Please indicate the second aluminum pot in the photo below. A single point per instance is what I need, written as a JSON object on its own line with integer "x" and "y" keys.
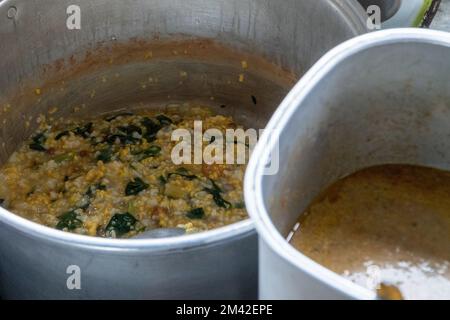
{"x": 379, "y": 98}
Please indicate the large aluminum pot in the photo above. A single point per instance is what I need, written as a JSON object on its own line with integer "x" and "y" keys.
{"x": 133, "y": 52}
{"x": 379, "y": 98}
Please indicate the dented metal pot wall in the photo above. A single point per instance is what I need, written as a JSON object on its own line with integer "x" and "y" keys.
{"x": 144, "y": 53}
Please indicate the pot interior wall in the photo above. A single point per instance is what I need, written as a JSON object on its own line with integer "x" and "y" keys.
{"x": 156, "y": 75}
{"x": 386, "y": 104}
{"x": 132, "y": 53}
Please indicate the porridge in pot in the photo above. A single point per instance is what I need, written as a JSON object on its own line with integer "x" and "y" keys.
{"x": 114, "y": 176}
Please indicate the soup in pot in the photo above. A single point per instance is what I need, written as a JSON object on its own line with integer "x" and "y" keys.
{"x": 387, "y": 225}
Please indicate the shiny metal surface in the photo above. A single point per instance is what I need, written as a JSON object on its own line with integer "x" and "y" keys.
{"x": 376, "y": 99}
{"x": 161, "y": 233}
{"x": 106, "y": 66}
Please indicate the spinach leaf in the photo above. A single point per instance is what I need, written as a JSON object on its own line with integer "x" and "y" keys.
{"x": 197, "y": 213}
{"x": 124, "y": 139}
{"x": 215, "y": 191}
{"x": 163, "y": 120}
{"x": 115, "y": 116}
{"x": 182, "y": 172}
{"x": 62, "y": 134}
{"x": 151, "y": 129}
{"x": 69, "y": 221}
{"x": 150, "y": 125}
{"x": 162, "y": 179}
{"x": 149, "y": 137}
{"x": 135, "y": 186}
{"x": 215, "y": 186}
{"x": 105, "y": 154}
{"x": 84, "y": 131}
{"x": 130, "y": 129}
{"x": 121, "y": 223}
{"x": 221, "y": 202}
{"x": 38, "y": 142}
{"x": 152, "y": 151}
{"x": 37, "y": 147}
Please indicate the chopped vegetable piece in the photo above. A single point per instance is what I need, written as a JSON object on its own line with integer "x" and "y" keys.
{"x": 69, "y": 221}
{"x": 37, "y": 147}
{"x": 64, "y": 157}
{"x": 121, "y": 223}
{"x": 150, "y": 125}
{"x": 38, "y": 142}
{"x": 151, "y": 129}
{"x": 62, "y": 134}
{"x": 162, "y": 179}
{"x": 163, "y": 120}
{"x": 130, "y": 129}
{"x": 84, "y": 131}
{"x": 135, "y": 186}
{"x": 105, "y": 155}
{"x": 197, "y": 213}
{"x": 123, "y": 139}
{"x": 182, "y": 172}
{"x": 215, "y": 191}
{"x": 152, "y": 151}
{"x": 131, "y": 207}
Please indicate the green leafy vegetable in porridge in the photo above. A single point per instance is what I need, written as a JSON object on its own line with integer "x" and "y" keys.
{"x": 37, "y": 142}
{"x": 196, "y": 213}
{"x": 215, "y": 191}
{"x": 114, "y": 176}
{"x": 121, "y": 223}
{"x": 69, "y": 221}
{"x": 134, "y": 187}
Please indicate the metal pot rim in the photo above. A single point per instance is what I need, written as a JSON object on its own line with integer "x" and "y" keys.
{"x": 355, "y": 14}
{"x": 254, "y": 174}
{"x": 35, "y": 230}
